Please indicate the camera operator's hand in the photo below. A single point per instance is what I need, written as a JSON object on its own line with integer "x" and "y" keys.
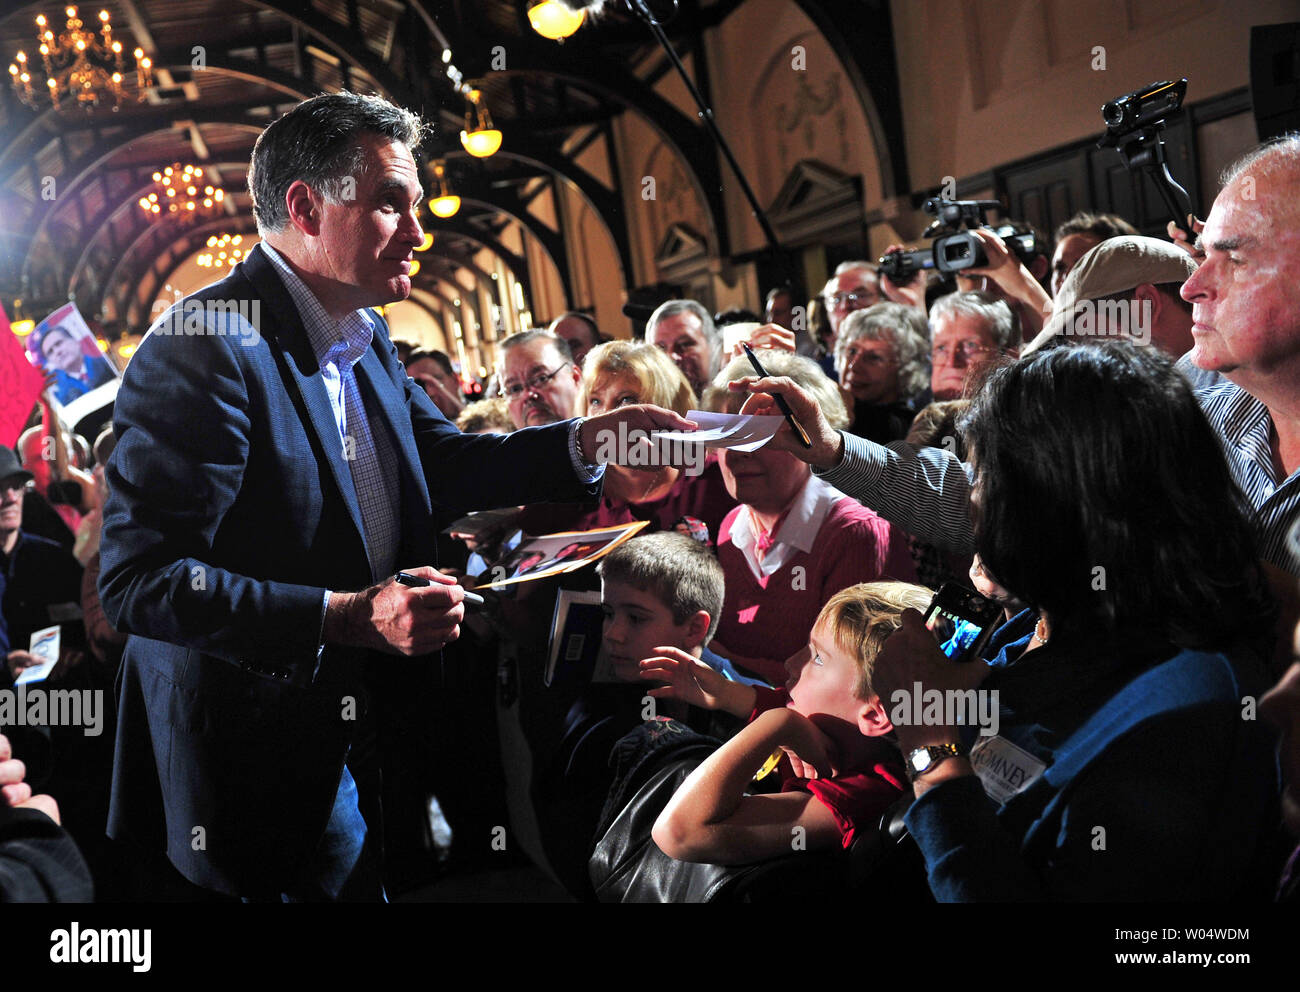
{"x": 1179, "y": 237}
{"x": 827, "y": 443}
{"x": 1014, "y": 280}
{"x": 911, "y": 294}
{"x": 398, "y": 619}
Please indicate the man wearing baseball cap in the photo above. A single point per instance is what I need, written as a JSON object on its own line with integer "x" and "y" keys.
{"x": 1124, "y": 287}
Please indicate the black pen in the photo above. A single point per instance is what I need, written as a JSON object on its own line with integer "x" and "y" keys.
{"x": 416, "y": 582}
{"x": 780, "y": 400}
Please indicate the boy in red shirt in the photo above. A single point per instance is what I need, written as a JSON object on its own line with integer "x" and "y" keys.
{"x": 828, "y": 721}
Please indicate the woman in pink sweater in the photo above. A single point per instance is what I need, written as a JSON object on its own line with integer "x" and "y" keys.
{"x": 794, "y": 541}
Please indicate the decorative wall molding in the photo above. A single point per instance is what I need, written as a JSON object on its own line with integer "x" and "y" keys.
{"x": 817, "y": 205}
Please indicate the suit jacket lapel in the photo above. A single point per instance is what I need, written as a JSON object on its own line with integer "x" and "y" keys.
{"x": 287, "y": 335}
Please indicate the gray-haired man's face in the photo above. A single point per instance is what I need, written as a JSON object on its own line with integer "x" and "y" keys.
{"x": 962, "y": 345}
{"x": 856, "y": 289}
{"x": 682, "y": 336}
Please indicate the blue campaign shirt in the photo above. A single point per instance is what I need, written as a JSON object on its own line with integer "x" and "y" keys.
{"x": 1149, "y": 782}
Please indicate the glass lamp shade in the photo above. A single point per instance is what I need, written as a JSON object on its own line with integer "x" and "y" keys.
{"x": 444, "y": 206}
{"x": 554, "y": 20}
{"x": 482, "y": 143}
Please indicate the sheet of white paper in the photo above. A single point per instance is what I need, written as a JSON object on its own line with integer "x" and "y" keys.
{"x": 744, "y": 432}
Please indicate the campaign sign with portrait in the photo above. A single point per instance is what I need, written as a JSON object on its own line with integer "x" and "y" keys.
{"x": 84, "y": 378}
{"x": 553, "y": 554}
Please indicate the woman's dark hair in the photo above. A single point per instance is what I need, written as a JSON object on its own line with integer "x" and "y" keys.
{"x": 1103, "y": 499}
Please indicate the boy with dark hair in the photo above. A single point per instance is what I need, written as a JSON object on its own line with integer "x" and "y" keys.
{"x": 660, "y": 592}
{"x": 660, "y": 589}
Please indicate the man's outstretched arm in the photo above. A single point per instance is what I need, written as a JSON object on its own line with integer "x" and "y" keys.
{"x": 926, "y": 491}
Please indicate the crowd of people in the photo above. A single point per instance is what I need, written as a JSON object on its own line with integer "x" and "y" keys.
{"x": 1101, "y": 436}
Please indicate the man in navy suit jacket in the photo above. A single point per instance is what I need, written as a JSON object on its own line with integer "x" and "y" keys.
{"x": 272, "y": 453}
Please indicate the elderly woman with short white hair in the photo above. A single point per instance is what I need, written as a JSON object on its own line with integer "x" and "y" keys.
{"x": 882, "y": 359}
{"x": 794, "y": 541}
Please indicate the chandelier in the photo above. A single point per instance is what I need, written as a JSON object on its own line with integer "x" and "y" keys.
{"x": 180, "y": 191}
{"x": 222, "y": 251}
{"x": 78, "y": 66}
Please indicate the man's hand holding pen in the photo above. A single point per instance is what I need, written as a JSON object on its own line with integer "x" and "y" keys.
{"x": 825, "y": 444}
{"x": 396, "y": 618}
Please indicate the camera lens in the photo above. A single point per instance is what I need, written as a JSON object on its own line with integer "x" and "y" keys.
{"x": 1113, "y": 113}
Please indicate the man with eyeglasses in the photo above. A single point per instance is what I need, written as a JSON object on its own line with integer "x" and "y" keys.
{"x": 970, "y": 331}
{"x": 854, "y": 286}
{"x": 539, "y": 378}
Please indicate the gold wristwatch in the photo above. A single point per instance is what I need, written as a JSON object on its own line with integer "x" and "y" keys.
{"x": 924, "y": 759}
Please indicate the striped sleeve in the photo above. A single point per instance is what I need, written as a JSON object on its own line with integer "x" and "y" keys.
{"x": 926, "y": 491}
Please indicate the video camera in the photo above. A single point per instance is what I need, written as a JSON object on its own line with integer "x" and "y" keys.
{"x": 1135, "y": 126}
{"x": 955, "y": 247}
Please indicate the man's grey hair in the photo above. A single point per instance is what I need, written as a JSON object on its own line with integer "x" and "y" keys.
{"x": 1279, "y": 153}
{"x": 674, "y": 307}
{"x": 857, "y": 263}
{"x": 995, "y": 314}
{"x": 524, "y": 337}
{"x": 318, "y": 142}
{"x": 904, "y": 328}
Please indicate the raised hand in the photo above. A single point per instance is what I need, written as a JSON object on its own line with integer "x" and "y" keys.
{"x": 1015, "y": 280}
{"x": 911, "y": 294}
{"x": 686, "y": 678}
{"x": 766, "y": 336}
{"x": 910, "y": 657}
{"x": 1179, "y": 237}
